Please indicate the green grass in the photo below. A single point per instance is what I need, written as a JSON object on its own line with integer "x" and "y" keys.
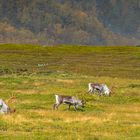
{"x": 98, "y": 61}
{"x": 69, "y": 70}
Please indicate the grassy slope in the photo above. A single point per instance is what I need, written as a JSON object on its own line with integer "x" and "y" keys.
{"x": 97, "y": 61}
{"x": 70, "y": 68}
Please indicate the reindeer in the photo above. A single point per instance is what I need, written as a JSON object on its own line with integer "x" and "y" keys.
{"x": 4, "y": 108}
{"x": 70, "y": 100}
{"x": 101, "y": 88}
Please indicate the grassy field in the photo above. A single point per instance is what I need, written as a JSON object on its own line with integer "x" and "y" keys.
{"x": 33, "y": 74}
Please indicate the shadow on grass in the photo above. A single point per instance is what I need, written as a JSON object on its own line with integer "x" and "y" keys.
{"x": 134, "y": 86}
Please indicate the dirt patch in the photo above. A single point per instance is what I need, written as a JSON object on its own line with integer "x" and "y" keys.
{"x": 25, "y": 91}
{"x": 1, "y": 84}
{"x": 14, "y": 119}
{"x": 132, "y": 94}
{"x": 39, "y": 83}
{"x": 65, "y": 81}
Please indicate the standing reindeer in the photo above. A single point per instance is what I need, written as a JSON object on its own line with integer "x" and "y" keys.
{"x": 101, "y": 88}
{"x": 70, "y": 100}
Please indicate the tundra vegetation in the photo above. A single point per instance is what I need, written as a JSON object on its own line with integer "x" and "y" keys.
{"x": 51, "y": 22}
{"x": 33, "y": 74}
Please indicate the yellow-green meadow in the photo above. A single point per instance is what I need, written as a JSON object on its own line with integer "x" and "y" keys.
{"x": 34, "y": 74}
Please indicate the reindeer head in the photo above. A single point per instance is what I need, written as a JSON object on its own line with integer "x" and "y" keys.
{"x": 81, "y": 103}
{"x": 11, "y": 110}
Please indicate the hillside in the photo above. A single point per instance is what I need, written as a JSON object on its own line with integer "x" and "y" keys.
{"x": 51, "y": 22}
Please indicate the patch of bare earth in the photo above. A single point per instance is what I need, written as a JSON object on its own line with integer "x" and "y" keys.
{"x": 65, "y": 81}
{"x": 25, "y": 91}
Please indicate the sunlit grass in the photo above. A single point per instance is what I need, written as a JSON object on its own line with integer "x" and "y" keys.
{"x": 119, "y": 113}
{"x": 69, "y": 71}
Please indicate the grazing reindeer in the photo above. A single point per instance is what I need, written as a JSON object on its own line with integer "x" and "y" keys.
{"x": 70, "y": 100}
{"x": 101, "y": 88}
{"x": 5, "y": 108}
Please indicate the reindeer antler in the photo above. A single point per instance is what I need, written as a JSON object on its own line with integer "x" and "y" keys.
{"x": 10, "y": 99}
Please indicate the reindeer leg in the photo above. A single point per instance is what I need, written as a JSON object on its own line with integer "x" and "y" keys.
{"x": 57, "y": 105}
{"x": 100, "y": 93}
{"x": 75, "y": 108}
{"x": 89, "y": 91}
{"x": 94, "y": 91}
{"x": 69, "y": 106}
{"x": 54, "y": 106}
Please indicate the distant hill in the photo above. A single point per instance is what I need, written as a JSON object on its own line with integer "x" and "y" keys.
{"x": 51, "y": 22}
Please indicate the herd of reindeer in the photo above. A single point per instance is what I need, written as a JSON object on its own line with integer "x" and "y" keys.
{"x": 101, "y": 89}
